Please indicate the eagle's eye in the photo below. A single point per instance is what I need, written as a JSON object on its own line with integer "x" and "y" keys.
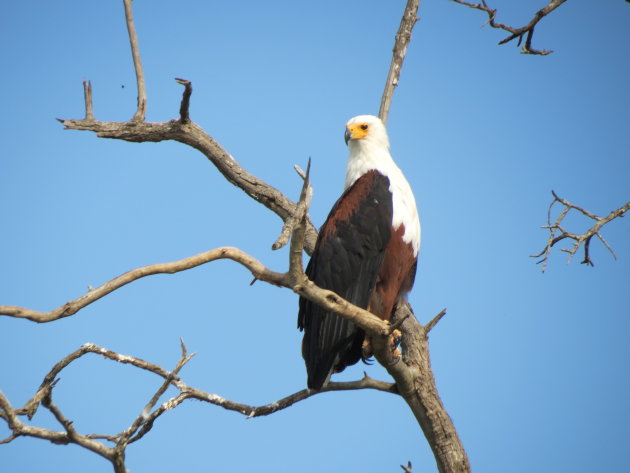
{"x": 364, "y": 126}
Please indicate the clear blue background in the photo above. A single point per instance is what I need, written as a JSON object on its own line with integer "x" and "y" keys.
{"x": 532, "y": 367}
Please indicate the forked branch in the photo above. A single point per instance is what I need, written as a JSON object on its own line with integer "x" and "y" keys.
{"x": 558, "y": 233}
{"x": 144, "y": 422}
{"x": 189, "y": 133}
{"x": 517, "y": 33}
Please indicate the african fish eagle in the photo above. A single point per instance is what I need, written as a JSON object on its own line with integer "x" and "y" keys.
{"x": 366, "y": 251}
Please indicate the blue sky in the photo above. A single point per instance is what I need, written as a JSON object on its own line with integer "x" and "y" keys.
{"x": 532, "y": 367}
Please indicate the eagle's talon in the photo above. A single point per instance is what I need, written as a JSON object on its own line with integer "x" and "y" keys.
{"x": 366, "y": 349}
{"x": 396, "y": 337}
{"x": 397, "y": 356}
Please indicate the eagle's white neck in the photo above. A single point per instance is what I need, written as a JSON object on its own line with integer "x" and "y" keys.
{"x": 366, "y": 155}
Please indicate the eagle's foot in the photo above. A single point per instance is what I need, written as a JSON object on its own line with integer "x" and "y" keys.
{"x": 393, "y": 342}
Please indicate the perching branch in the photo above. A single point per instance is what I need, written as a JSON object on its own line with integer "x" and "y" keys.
{"x": 299, "y": 284}
{"x": 294, "y": 279}
{"x": 557, "y": 232}
{"x": 517, "y": 32}
{"x": 416, "y": 384}
{"x": 403, "y": 37}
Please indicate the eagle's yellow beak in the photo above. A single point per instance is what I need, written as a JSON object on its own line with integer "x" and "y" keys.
{"x": 356, "y": 131}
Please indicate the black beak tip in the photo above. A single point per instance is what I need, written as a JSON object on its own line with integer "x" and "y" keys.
{"x": 346, "y": 136}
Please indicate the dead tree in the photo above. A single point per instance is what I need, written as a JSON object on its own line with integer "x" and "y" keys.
{"x": 414, "y": 380}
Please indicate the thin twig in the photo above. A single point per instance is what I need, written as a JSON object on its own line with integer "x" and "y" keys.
{"x": 396, "y": 325}
{"x": 608, "y": 247}
{"x": 31, "y": 406}
{"x": 296, "y": 269}
{"x": 137, "y": 63}
{"x": 9, "y": 439}
{"x": 301, "y": 209}
{"x": 403, "y": 37}
{"x": 153, "y": 416}
{"x": 184, "y": 114}
{"x": 428, "y": 327}
{"x": 144, "y": 415}
{"x": 73, "y": 435}
{"x": 87, "y": 95}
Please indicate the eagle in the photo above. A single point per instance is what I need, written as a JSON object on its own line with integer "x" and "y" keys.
{"x": 366, "y": 252}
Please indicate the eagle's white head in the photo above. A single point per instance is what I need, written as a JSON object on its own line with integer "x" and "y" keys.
{"x": 366, "y": 131}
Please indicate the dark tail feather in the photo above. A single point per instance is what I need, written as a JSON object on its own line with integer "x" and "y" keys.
{"x": 346, "y": 352}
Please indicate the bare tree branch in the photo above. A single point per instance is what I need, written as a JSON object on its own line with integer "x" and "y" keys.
{"x": 191, "y": 134}
{"x": 137, "y": 63}
{"x": 403, "y": 37}
{"x": 145, "y": 420}
{"x": 301, "y": 286}
{"x": 72, "y": 307}
{"x": 517, "y": 32}
{"x": 557, "y": 232}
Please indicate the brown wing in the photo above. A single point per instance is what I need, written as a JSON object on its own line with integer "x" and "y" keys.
{"x": 347, "y": 260}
